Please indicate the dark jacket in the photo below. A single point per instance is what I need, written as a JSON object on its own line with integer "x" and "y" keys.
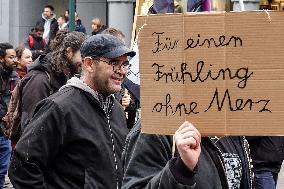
{"x": 267, "y": 153}
{"x": 53, "y": 27}
{"x": 69, "y": 144}
{"x": 99, "y": 30}
{"x": 79, "y": 26}
{"x": 38, "y": 45}
{"x": 131, "y": 110}
{"x": 8, "y": 81}
{"x": 149, "y": 162}
{"x": 39, "y": 83}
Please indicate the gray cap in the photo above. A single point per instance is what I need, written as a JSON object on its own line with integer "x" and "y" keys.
{"x": 104, "y": 45}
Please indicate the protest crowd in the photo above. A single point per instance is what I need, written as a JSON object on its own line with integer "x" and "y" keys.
{"x": 70, "y": 119}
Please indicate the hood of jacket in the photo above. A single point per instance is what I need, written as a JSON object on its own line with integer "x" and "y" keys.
{"x": 37, "y": 38}
{"x": 78, "y": 83}
{"x": 41, "y": 63}
{"x": 46, "y": 19}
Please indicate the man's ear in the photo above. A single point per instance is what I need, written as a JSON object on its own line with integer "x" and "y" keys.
{"x": 88, "y": 65}
{"x": 69, "y": 52}
{"x": 2, "y": 59}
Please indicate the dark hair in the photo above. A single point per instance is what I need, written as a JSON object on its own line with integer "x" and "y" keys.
{"x": 4, "y": 47}
{"x": 39, "y": 28}
{"x": 114, "y": 32}
{"x": 50, "y": 7}
{"x": 19, "y": 51}
{"x": 56, "y": 42}
{"x": 59, "y": 59}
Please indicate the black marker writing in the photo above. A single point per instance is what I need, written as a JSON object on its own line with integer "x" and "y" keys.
{"x": 240, "y": 103}
{"x": 179, "y": 108}
{"x": 212, "y": 42}
{"x": 163, "y": 43}
{"x": 183, "y": 74}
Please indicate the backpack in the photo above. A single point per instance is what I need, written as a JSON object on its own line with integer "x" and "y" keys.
{"x": 32, "y": 41}
{"x": 13, "y": 117}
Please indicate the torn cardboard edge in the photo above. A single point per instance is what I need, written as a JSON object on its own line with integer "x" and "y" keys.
{"x": 233, "y": 125}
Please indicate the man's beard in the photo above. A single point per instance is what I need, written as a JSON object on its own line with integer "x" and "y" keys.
{"x": 74, "y": 69}
{"x": 6, "y": 70}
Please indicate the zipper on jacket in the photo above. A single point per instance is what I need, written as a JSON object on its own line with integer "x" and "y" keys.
{"x": 249, "y": 160}
{"x": 113, "y": 145}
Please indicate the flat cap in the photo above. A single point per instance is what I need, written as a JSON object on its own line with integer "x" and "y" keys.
{"x": 105, "y": 45}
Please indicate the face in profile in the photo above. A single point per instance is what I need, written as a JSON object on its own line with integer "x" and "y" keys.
{"x": 10, "y": 59}
{"x": 75, "y": 61}
{"x": 60, "y": 21}
{"x": 95, "y": 24}
{"x": 25, "y": 59}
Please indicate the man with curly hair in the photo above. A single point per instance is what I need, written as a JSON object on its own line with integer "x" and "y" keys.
{"x": 8, "y": 80}
{"x": 49, "y": 72}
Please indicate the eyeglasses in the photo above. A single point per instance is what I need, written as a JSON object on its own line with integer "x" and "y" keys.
{"x": 116, "y": 64}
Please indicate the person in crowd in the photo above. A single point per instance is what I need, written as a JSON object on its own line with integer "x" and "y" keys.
{"x": 115, "y": 32}
{"x": 125, "y": 96}
{"x": 35, "y": 42}
{"x": 49, "y": 23}
{"x": 186, "y": 160}
{"x": 24, "y": 58}
{"x": 8, "y": 80}
{"x": 49, "y": 72}
{"x": 97, "y": 26}
{"x": 67, "y": 15}
{"x": 267, "y": 153}
{"x": 62, "y": 22}
{"x": 78, "y": 24}
{"x": 80, "y": 128}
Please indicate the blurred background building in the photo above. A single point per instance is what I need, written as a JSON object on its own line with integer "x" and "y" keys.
{"x": 17, "y": 17}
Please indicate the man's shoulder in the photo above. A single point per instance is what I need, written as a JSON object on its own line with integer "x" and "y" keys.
{"x": 67, "y": 97}
{"x": 38, "y": 76}
{"x": 40, "y": 21}
{"x": 14, "y": 76}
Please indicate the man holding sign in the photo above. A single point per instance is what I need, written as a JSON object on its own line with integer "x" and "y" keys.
{"x": 151, "y": 161}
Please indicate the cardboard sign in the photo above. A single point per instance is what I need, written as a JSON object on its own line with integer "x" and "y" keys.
{"x": 223, "y": 72}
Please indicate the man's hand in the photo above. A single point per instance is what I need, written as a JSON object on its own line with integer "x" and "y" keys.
{"x": 187, "y": 139}
{"x": 125, "y": 101}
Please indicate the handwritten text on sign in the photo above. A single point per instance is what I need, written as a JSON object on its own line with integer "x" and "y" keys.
{"x": 182, "y": 74}
{"x": 214, "y": 71}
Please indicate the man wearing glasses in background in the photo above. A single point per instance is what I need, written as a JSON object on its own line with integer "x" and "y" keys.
{"x": 76, "y": 136}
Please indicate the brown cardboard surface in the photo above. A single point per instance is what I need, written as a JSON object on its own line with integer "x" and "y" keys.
{"x": 251, "y": 50}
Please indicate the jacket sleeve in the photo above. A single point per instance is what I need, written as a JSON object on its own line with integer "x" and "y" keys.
{"x": 147, "y": 162}
{"x": 35, "y": 152}
{"x": 36, "y": 88}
